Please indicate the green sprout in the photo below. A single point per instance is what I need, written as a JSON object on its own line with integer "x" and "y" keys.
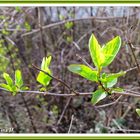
{"x": 101, "y": 57}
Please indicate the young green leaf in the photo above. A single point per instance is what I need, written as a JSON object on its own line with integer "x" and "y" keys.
{"x": 10, "y": 86}
{"x": 83, "y": 71}
{"x": 24, "y": 88}
{"x": 98, "y": 95}
{"x": 112, "y": 82}
{"x": 46, "y": 62}
{"x": 8, "y": 79}
{"x": 108, "y": 83}
{"x": 18, "y": 79}
{"x": 138, "y": 111}
{"x": 112, "y": 76}
{"x": 12, "y": 89}
{"x": 110, "y": 50}
{"x": 43, "y": 78}
{"x": 95, "y": 51}
{"x": 68, "y": 25}
{"x": 7, "y": 87}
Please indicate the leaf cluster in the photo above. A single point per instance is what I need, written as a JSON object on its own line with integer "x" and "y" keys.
{"x": 101, "y": 57}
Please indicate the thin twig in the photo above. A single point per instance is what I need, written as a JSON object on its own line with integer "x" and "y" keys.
{"x": 131, "y": 69}
{"x": 109, "y": 104}
{"x": 85, "y": 61}
{"x": 76, "y": 45}
{"x": 132, "y": 91}
{"x": 71, "y": 123}
{"x": 131, "y": 47}
{"x": 59, "y": 80}
{"x": 119, "y": 127}
{"x": 126, "y": 130}
{"x": 70, "y": 20}
{"x": 72, "y": 94}
{"x": 127, "y": 110}
{"x": 64, "y": 110}
{"x": 29, "y": 114}
{"x": 9, "y": 52}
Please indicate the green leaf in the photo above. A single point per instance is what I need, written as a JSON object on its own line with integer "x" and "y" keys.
{"x": 84, "y": 71}
{"x": 108, "y": 83}
{"x": 18, "y": 79}
{"x": 95, "y": 51}
{"x": 12, "y": 89}
{"x": 110, "y": 50}
{"x": 8, "y": 79}
{"x": 138, "y": 111}
{"x": 68, "y": 25}
{"x": 10, "y": 85}
{"x": 43, "y": 78}
{"x": 7, "y": 87}
{"x": 42, "y": 89}
{"x": 112, "y": 76}
{"x": 46, "y": 63}
{"x": 117, "y": 89}
{"x": 24, "y": 88}
{"x": 112, "y": 82}
{"x": 98, "y": 95}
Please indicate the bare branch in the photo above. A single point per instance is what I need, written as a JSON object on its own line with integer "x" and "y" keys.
{"x": 137, "y": 64}
{"x": 99, "y": 19}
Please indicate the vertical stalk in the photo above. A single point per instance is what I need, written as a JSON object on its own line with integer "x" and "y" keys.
{"x": 131, "y": 47}
{"x": 29, "y": 113}
{"x": 43, "y": 44}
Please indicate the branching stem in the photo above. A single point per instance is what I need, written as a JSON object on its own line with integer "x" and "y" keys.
{"x": 59, "y": 80}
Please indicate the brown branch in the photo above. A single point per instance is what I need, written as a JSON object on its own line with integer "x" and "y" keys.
{"x": 43, "y": 44}
{"x": 70, "y": 20}
{"x": 85, "y": 61}
{"x": 72, "y": 94}
{"x": 72, "y": 118}
{"x": 109, "y": 104}
{"x": 131, "y": 69}
{"x": 59, "y": 80}
{"x": 57, "y": 94}
{"x": 64, "y": 110}
{"x": 79, "y": 94}
{"x": 101, "y": 84}
{"x": 105, "y": 89}
{"x": 131, "y": 47}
